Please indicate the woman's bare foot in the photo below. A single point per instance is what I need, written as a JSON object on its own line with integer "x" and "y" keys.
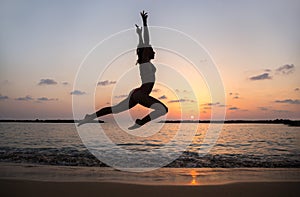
{"x": 138, "y": 124}
{"x": 88, "y": 118}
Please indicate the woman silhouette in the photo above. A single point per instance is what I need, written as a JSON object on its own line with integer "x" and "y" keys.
{"x": 139, "y": 95}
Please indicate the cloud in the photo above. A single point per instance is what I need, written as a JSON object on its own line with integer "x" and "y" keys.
{"x": 261, "y": 77}
{"x": 77, "y": 92}
{"x": 286, "y": 69}
{"x": 217, "y": 104}
{"x": 281, "y": 111}
{"x": 233, "y": 108}
{"x": 181, "y": 91}
{"x": 46, "y": 99}
{"x": 211, "y": 104}
{"x": 182, "y": 101}
{"x": 234, "y": 95}
{"x": 263, "y": 108}
{"x": 179, "y": 101}
{"x": 121, "y": 96}
{"x": 288, "y": 101}
{"x": 296, "y": 89}
{"x": 47, "y": 82}
{"x": 3, "y": 97}
{"x": 65, "y": 83}
{"x": 105, "y": 83}
{"x": 162, "y": 97}
{"x": 26, "y": 98}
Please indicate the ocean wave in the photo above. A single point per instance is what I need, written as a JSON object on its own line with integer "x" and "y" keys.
{"x": 138, "y": 144}
{"x": 69, "y": 156}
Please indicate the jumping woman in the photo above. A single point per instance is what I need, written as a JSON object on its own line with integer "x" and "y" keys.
{"x": 139, "y": 95}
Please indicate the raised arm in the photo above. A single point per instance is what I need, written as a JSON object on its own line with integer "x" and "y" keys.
{"x": 139, "y": 33}
{"x": 146, "y": 31}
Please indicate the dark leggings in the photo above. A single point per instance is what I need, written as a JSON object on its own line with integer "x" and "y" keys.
{"x": 138, "y": 96}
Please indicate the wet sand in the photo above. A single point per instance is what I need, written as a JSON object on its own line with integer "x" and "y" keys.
{"x": 44, "y": 180}
{"x": 76, "y": 189}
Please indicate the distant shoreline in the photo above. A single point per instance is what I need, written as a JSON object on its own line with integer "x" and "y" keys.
{"x": 276, "y": 121}
{"x": 51, "y": 121}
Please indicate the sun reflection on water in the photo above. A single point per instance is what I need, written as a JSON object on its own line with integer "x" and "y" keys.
{"x": 193, "y": 174}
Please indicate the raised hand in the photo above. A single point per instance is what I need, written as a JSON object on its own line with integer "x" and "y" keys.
{"x": 144, "y": 17}
{"x": 138, "y": 29}
{"x": 139, "y": 32}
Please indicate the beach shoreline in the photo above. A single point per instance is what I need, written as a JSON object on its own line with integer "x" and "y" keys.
{"x": 161, "y": 176}
{"x": 44, "y": 180}
{"x": 77, "y": 189}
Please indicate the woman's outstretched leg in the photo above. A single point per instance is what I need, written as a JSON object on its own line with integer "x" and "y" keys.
{"x": 102, "y": 112}
{"x": 122, "y": 106}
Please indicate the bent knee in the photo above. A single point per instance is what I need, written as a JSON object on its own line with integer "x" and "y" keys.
{"x": 136, "y": 95}
{"x": 166, "y": 109}
{"x": 160, "y": 107}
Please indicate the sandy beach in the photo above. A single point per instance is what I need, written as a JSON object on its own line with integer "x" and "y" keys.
{"x": 76, "y": 189}
{"x": 44, "y": 180}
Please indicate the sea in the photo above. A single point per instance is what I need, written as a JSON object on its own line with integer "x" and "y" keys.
{"x": 236, "y": 145}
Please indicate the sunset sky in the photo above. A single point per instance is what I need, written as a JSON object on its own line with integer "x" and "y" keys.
{"x": 255, "y": 46}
